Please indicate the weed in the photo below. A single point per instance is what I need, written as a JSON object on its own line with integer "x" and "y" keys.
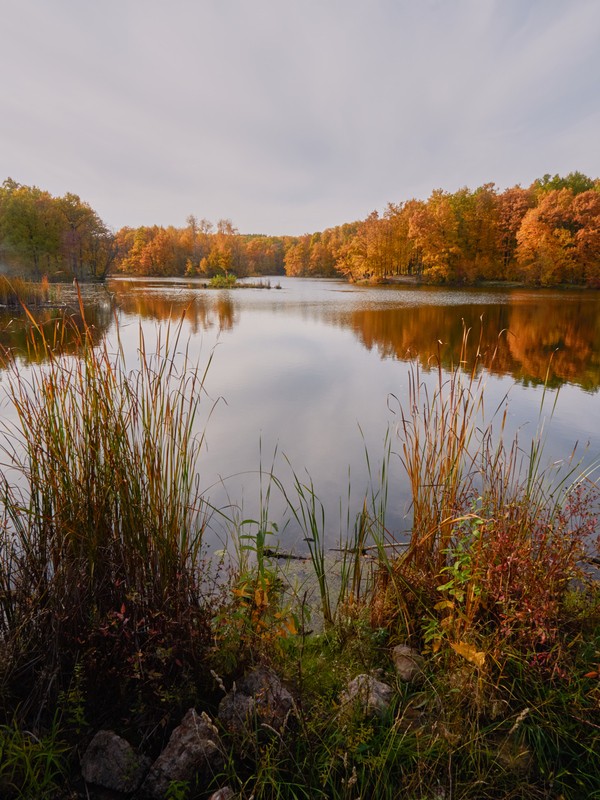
{"x": 31, "y": 766}
{"x": 178, "y": 790}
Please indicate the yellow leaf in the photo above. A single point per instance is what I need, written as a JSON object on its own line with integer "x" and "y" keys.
{"x": 443, "y": 604}
{"x": 469, "y": 652}
{"x": 291, "y": 626}
{"x": 261, "y": 598}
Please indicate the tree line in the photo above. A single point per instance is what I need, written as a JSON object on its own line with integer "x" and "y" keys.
{"x": 545, "y": 234}
{"x": 200, "y": 249}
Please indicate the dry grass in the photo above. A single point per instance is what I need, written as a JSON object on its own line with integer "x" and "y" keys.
{"x": 104, "y": 517}
{"x": 15, "y": 292}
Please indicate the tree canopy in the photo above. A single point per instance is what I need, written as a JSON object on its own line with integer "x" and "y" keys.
{"x": 58, "y": 236}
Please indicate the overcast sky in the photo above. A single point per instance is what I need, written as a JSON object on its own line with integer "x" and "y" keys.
{"x": 290, "y": 116}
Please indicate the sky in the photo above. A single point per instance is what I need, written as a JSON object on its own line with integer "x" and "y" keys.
{"x": 291, "y": 116}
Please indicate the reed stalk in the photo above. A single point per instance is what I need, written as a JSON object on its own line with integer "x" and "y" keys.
{"x": 102, "y": 513}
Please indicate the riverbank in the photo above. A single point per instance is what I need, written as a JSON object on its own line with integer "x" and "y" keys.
{"x": 113, "y": 618}
{"x": 418, "y": 280}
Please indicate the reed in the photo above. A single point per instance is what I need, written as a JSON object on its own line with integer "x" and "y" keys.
{"x": 15, "y": 292}
{"x": 103, "y": 518}
{"x": 498, "y": 537}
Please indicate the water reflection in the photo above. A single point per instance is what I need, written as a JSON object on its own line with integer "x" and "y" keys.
{"x": 25, "y": 341}
{"x": 302, "y": 368}
{"x": 554, "y": 339}
{"x": 163, "y": 301}
{"x": 546, "y": 336}
{"x": 533, "y": 337}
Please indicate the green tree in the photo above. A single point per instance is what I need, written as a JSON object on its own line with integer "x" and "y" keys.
{"x": 576, "y": 182}
{"x": 29, "y": 228}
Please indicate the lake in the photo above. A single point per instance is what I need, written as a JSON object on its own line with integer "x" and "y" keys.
{"x": 310, "y": 376}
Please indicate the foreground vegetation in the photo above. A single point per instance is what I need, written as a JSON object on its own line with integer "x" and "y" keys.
{"x": 110, "y": 616}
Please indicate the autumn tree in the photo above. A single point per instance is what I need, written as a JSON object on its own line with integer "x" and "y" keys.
{"x": 433, "y": 227}
{"x": 196, "y": 238}
{"x": 88, "y": 247}
{"x": 586, "y": 217}
{"x": 403, "y": 257}
{"x": 512, "y": 205}
{"x": 263, "y": 255}
{"x": 477, "y": 218}
{"x": 546, "y": 240}
{"x": 44, "y": 234}
{"x": 297, "y": 257}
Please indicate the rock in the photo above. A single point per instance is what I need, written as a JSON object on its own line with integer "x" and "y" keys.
{"x": 261, "y": 698}
{"x": 112, "y": 763}
{"x": 408, "y": 663}
{"x": 236, "y": 711}
{"x": 222, "y": 794}
{"x": 193, "y": 752}
{"x": 371, "y": 696}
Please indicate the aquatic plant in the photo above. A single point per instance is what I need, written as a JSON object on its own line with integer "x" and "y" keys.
{"x": 15, "y": 292}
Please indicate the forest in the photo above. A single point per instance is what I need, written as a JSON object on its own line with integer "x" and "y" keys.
{"x": 546, "y": 234}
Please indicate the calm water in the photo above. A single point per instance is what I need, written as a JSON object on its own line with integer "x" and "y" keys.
{"x": 312, "y": 373}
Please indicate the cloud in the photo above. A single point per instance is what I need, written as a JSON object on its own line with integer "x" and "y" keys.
{"x": 291, "y": 117}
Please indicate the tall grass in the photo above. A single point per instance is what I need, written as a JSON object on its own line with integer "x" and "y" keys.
{"x": 498, "y": 537}
{"x": 104, "y": 522}
{"x": 15, "y": 291}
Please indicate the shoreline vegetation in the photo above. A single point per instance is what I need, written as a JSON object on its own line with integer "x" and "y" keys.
{"x": 19, "y": 294}
{"x": 547, "y": 234}
{"x": 483, "y": 627}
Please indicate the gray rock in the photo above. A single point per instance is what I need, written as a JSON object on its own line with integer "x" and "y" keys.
{"x": 236, "y": 712}
{"x": 194, "y": 751}
{"x": 408, "y": 663}
{"x": 369, "y": 695}
{"x": 222, "y": 794}
{"x": 260, "y": 698}
{"x": 112, "y": 763}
